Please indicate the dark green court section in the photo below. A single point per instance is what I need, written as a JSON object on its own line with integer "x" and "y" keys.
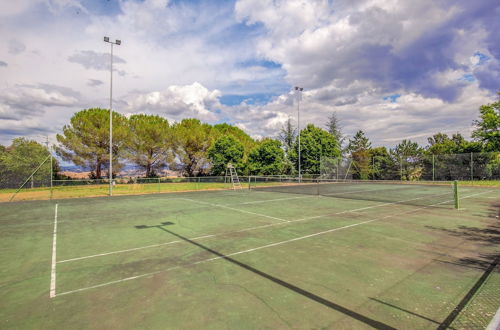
{"x": 251, "y": 259}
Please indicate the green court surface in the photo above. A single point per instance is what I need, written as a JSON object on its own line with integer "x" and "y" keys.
{"x": 248, "y": 259}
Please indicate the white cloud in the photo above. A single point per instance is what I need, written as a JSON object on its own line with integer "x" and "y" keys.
{"x": 177, "y": 102}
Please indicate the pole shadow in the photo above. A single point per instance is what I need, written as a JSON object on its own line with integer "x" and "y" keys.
{"x": 364, "y": 319}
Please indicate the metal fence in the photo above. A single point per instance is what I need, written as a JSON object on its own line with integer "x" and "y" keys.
{"x": 468, "y": 167}
{"x": 30, "y": 180}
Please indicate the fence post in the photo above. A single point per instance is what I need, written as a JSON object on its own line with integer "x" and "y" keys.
{"x": 400, "y": 168}
{"x": 250, "y": 179}
{"x": 51, "y": 176}
{"x": 471, "y": 166}
{"x": 373, "y": 168}
{"x": 433, "y": 168}
{"x": 338, "y": 164}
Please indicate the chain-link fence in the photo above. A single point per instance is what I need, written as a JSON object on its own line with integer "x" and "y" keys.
{"x": 26, "y": 177}
{"x": 35, "y": 179}
{"x": 365, "y": 166}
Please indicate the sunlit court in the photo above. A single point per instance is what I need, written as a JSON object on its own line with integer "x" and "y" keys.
{"x": 291, "y": 255}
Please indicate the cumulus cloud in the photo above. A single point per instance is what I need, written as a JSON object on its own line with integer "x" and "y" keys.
{"x": 178, "y": 102}
{"x": 392, "y": 46}
{"x": 25, "y": 127}
{"x": 27, "y": 101}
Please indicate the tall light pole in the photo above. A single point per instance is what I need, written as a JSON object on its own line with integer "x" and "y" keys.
{"x": 117, "y": 42}
{"x": 299, "y": 95}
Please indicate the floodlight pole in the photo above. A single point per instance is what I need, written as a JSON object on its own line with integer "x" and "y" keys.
{"x": 299, "y": 91}
{"x": 117, "y": 42}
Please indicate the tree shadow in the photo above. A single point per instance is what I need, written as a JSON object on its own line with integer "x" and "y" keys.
{"x": 465, "y": 300}
{"x": 487, "y": 262}
{"x": 371, "y": 322}
{"x": 487, "y": 236}
{"x": 405, "y": 310}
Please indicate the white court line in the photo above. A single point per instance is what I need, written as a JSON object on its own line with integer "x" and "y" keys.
{"x": 232, "y": 208}
{"x": 243, "y": 230}
{"x": 260, "y": 247}
{"x": 274, "y": 200}
{"x": 132, "y": 249}
{"x": 52, "y": 293}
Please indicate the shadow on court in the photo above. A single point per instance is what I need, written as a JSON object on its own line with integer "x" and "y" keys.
{"x": 406, "y": 311}
{"x": 296, "y": 289}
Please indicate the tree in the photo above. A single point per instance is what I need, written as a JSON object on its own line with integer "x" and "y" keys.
{"x": 191, "y": 140}
{"x": 267, "y": 158}
{"x": 19, "y": 160}
{"x": 359, "y": 147}
{"x": 227, "y": 129}
{"x": 408, "y": 154}
{"x": 488, "y": 126}
{"x": 359, "y": 142}
{"x": 226, "y": 149}
{"x": 383, "y": 165}
{"x": 287, "y": 136}
{"x": 85, "y": 142}
{"x": 333, "y": 127}
{"x": 315, "y": 143}
{"x": 149, "y": 143}
{"x": 440, "y": 144}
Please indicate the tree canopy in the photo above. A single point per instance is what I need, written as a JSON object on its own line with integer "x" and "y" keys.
{"x": 149, "y": 143}
{"x": 268, "y": 158}
{"x": 85, "y": 141}
{"x": 191, "y": 141}
{"x": 19, "y": 160}
{"x": 487, "y": 130}
{"x": 315, "y": 143}
{"x": 333, "y": 127}
{"x": 226, "y": 149}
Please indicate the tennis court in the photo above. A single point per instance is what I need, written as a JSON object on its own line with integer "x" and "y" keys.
{"x": 361, "y": 255}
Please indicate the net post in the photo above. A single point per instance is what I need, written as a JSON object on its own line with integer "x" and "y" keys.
{"x": 159, "y": 187}
{"x": 455, "y": 194}
{"x": 249, "y": 181}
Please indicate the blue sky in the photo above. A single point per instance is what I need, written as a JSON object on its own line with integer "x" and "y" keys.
{"x": 395, "y": 69}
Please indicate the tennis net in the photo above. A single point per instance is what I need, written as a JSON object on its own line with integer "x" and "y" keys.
{"x": 397, "y": 192}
